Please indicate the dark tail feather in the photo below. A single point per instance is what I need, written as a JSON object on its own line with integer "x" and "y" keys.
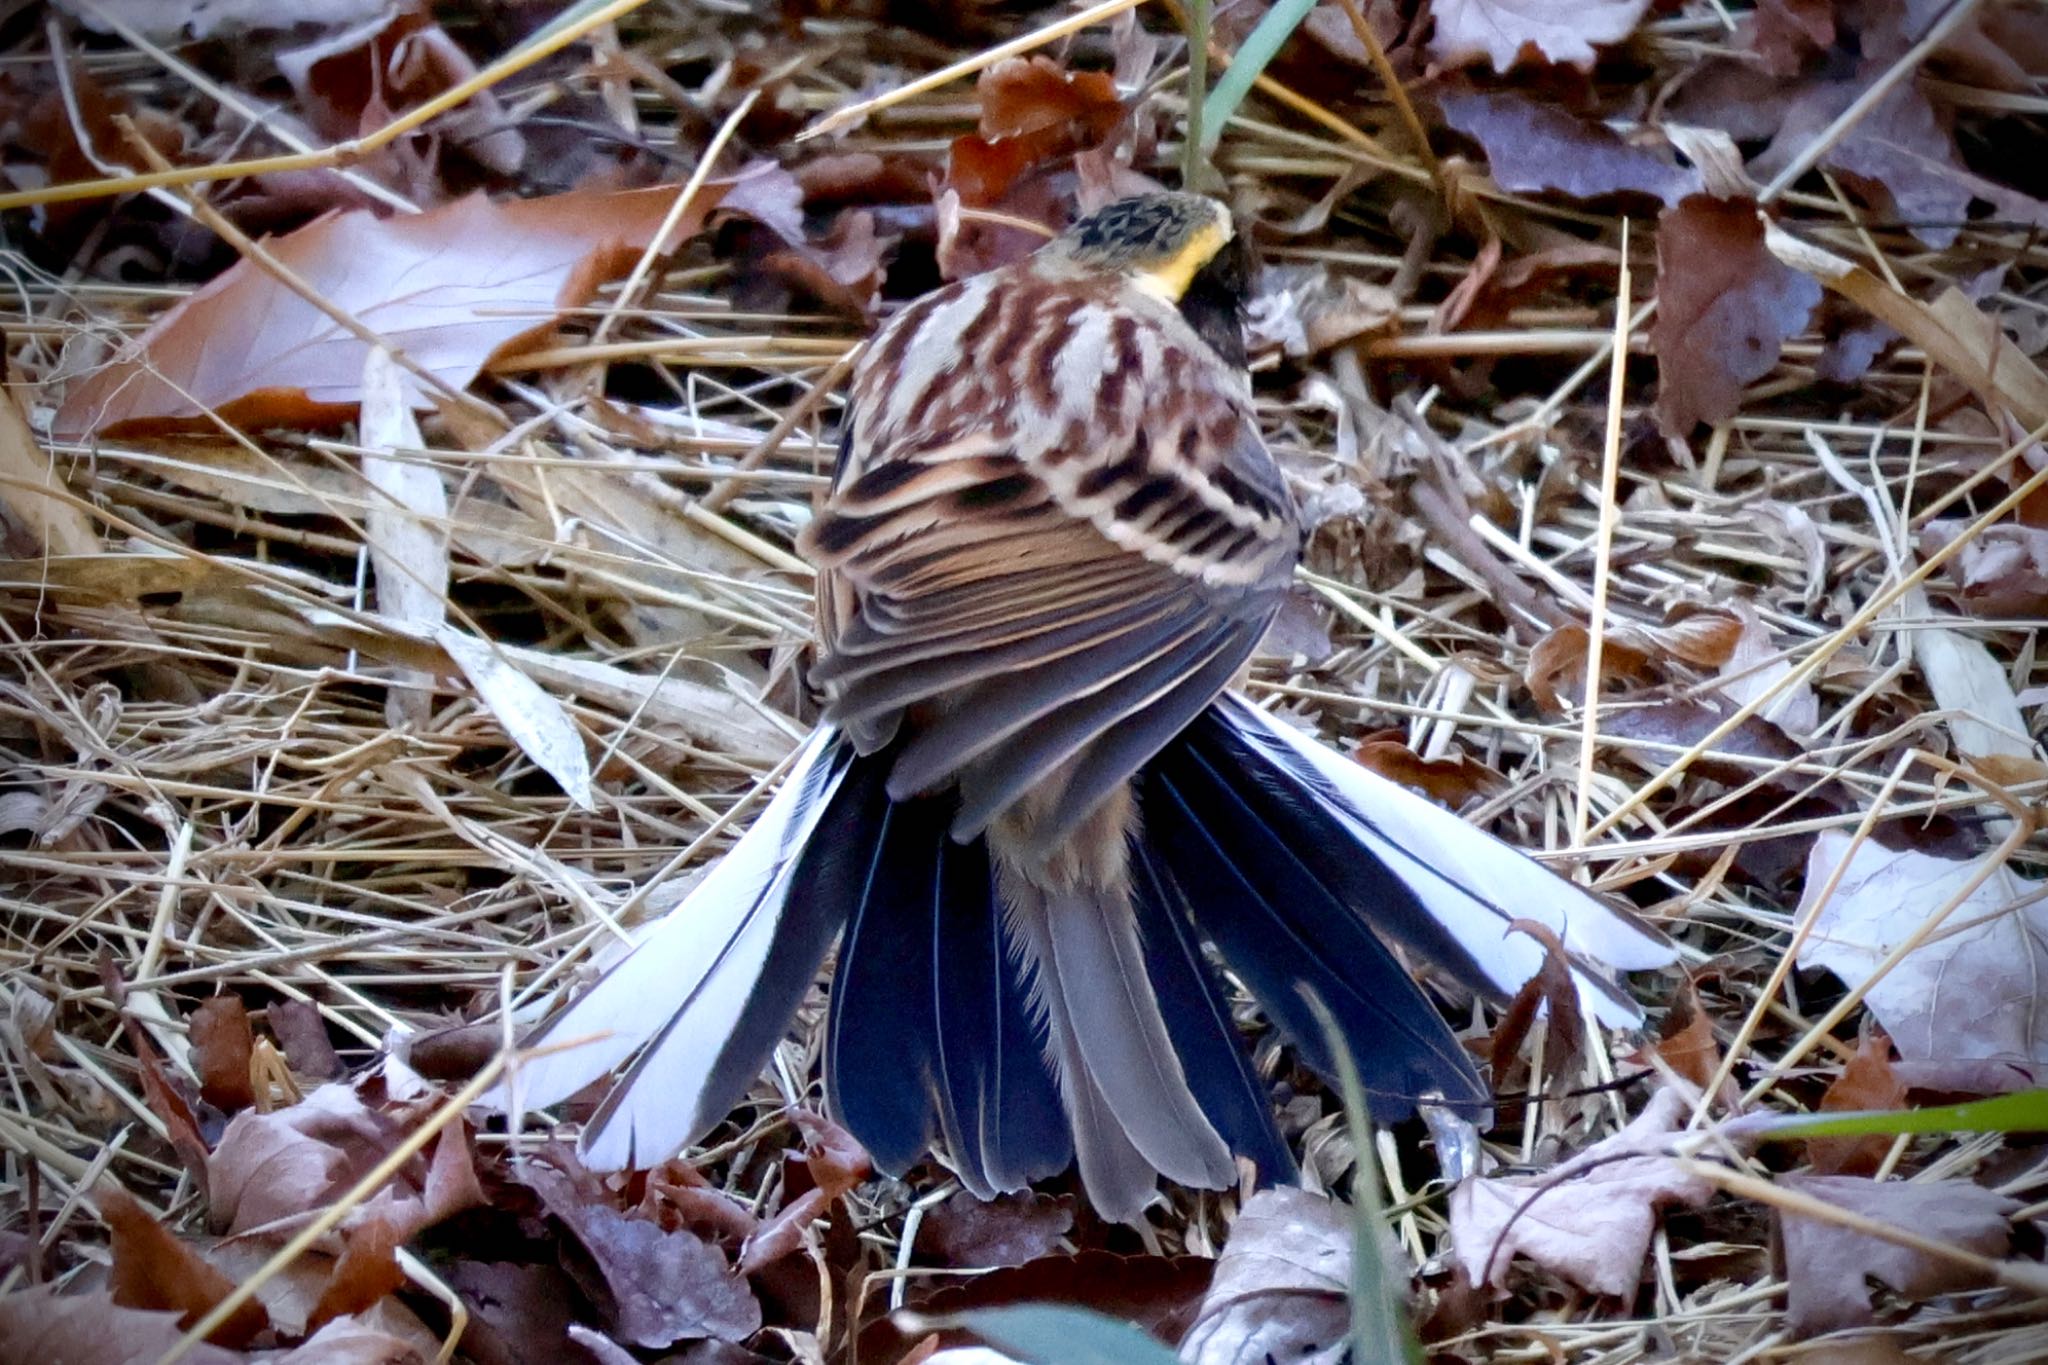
{"x": 1197, "y": 1014}
{"x": 1282, "y": 927}
{"x": 928, "y": 1016}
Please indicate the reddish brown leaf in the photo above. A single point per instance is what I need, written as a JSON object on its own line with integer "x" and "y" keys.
{"x": 1866, "y": 1082}
{"x": 1532, "y": 147}
{"x": 158, "y": 1093}
{"x": 1686, "y": 1041}
{"x": 1725, "y": 306}
{"x": 2001, "y": 573}
{"x": 367, "y": 1271}
{"x": 1028, "y": 96}
{"x": 1552, "y": 991}
{"x": 1557, "y": 666}
{"x": 1456, "y": 781}
{"x": 356, "y": 80}
{"x": 1526, "y": 32}
{"x": 153, "y": 1269}
{"x": 221, "y": 1048}
{"x": 275, "y": 1166}
{"x": 837, "y": 1164}
{"x": 451, "y": 289}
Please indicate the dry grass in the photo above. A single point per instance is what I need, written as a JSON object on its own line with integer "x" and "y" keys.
{"x": 203, "y": 781}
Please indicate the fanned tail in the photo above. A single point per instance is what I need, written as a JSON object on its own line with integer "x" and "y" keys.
{"x": 1020, "y": 1024}
{"x": 1297, "y": 864}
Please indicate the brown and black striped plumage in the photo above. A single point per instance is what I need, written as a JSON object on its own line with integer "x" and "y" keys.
{"x": 1053, "y": 539}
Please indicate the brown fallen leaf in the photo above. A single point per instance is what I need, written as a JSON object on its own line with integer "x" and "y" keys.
{"x": 303, "y": 1035}
{"x": 153, "y": 1269}
{"x": 1866, "y": 1082}
{"x": 657, "y": 1286}
{"x": 1725, "y": 306}
{"x": 1554, "y": 993}
{"x": 1456, "y": 781}
{"x": 1591, "y": 1218}
{"x": 1281, "y": 1290}
{"x": 271, "y": 1167}
{"x": 1685, "y": 1039}
{"x": 1532, "y": 148}
{"x": 1509, "y": 33}
{"x": 1556, "y": 671}
{"x": 976, "y": 1234}
{"x": 40, "y": 1324}
{"x": 837, "y": 1164}
{"x": 1826, "y": 1264}
{"x": 451, "y": 290}
{"x": 354, "y": 81}
{"x": 222, "y": 1044}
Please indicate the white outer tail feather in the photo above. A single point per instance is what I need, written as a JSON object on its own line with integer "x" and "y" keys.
{"x": 698, "y": 966}
{"x": 1468, "y": 880}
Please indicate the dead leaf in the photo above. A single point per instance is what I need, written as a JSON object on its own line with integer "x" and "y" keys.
{"x": 1529, "y": 32}
{"x": 1956, "y": 334}
{"x": 302, "y": 1034}
{"x": 1532, "y": 148}
{"x": 520, "y": 1311}
{"x": 1974, "y": 990}
{"x": 1972, "y": 686}
{"x": 1554, "y": 994}
{"x": 451, "y": 289}
{"x": 532, "y": 718}
{"x": 346, "y": 1341}
{"x": 1725, "y": 305}
{"x": 271, "y": 1167}
{"x": 40, "y": 1324}
{"x": 1826, "y": 1264}
{"x": 1591, "y": 1218}
{"x": 1032, "y": 111}
{"x": 153, "y": 1269}
{"x": 1899, "y": 157}
{"x": 976, "y": 1234}
{"x": 38, "y": 515}
{"x": 354, "y": 81}
{"x": 1756, "y": 666}
{"x": 2002, "y": 572}
{"x": 1685, "y": 1039}
{"x": 658, "y": 1287}
{"x": 1456, "y": 781}
{"x": 1556, "y": 670}
{"x": 1866, "y": 1082}
{"x": 367, "y": 1271}
{"x": 222, "y": 1045}
{"x": 1281, "y": 1290}
{"x": 836, "y": 1162}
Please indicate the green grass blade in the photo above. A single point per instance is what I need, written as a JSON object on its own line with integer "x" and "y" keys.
{"x": 1260, "y": 46}
{"x": 2025, "y": 1111}
{"x": 1054, "y": 1334}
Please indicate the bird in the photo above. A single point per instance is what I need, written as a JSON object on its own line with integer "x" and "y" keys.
{"x": 1035, "y": 817}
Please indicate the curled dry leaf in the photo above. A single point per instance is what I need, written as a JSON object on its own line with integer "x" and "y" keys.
{"x": 1756, "y": 667}
{"x": 1725, "y": 307}
{"x": 1556, "y": 671}
{"x": 1455, "y": 782}
{"x": 1532, "y": 148}
{"x": 837, "y": 1163}
{"x": 354, "y": 81}
{"x": 1826, "y": 1264}
{"x": 1281, "y": 1290}
{"x": 270, "y": 1167}
{"x": 1591, "y": 1218}
{"x": 1975, "y": 989}
{"x": 153, "y": 1269}
{"x": 2002, "y": 572}
{"x": 1551, "y": 994}
{"x": 1508, "y": 33}
{"x": 37, "y": 513}
{"x": 450, "y": 290}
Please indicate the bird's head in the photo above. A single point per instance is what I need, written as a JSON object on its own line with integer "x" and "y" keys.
{"x": 1181, "y": 248}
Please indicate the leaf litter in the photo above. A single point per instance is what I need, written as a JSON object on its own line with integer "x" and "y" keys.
{"x": 389, "y": 636}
